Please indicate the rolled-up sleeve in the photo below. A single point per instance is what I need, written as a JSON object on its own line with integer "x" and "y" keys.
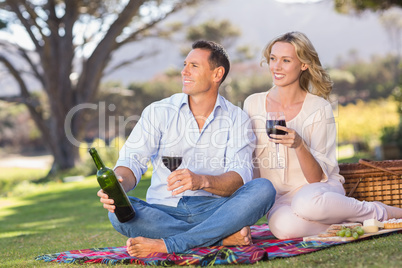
{"x": 320, "y": 130}
{"x": 140, "y": 145}
{"x": 241, "y": 145}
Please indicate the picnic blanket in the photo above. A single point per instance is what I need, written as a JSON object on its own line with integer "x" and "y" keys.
{"x": 265, "y": 247}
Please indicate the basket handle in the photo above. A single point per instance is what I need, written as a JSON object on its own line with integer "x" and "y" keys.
{"x": 352, "y": 191}
{"x": 367, "y": 163}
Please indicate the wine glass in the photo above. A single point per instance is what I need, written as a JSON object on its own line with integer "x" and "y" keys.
{"x": 273, "y": 119}
{"x": 172, "y": 162}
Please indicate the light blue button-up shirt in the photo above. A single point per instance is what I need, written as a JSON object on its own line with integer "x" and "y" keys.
{"x": 168, "y": 128}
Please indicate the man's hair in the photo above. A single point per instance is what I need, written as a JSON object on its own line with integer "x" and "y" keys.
{"x": 218, "y": 56}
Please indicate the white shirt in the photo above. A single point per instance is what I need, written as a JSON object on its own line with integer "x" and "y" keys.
{"x": 168, "y": 128}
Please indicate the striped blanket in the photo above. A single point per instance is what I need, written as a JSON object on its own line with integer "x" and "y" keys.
{"x": 265, "y": 247}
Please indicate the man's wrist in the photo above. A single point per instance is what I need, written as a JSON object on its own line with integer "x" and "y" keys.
{"x": 205, "y": 183}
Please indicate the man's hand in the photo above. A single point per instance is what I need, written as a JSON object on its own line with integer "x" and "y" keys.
{"x": 106, "y": 201}
{"x": 182, "y": 180}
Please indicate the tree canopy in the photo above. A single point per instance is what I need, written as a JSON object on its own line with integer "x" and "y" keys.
{"x": 350, "y": 6}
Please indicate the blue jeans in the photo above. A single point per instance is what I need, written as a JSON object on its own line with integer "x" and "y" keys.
{"x": 199, "y": 221}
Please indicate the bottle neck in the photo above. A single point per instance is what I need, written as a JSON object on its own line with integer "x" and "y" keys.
{"x": 95, "y": 156}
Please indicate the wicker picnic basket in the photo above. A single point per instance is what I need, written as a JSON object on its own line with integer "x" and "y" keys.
{"x": 374, "y": 181}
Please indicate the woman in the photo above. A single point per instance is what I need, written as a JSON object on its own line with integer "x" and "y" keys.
{"x": 310, "y": 195}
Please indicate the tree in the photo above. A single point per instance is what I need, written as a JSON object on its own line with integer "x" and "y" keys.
{"x": 349, "y": 6}
{"x": 73, "y": 43}
{"x": 222, "y": 32}
{"x": 392, "y": 22}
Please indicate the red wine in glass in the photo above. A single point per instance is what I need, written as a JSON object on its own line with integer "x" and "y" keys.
{"x": 273, "y": 119}
{"x": 271, "y": 127}
{"x": 172, "y": 162}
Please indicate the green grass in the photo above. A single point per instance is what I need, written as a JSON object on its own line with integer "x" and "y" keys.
{"x": 57, "y": 217}
{"x": 11, "y": 177}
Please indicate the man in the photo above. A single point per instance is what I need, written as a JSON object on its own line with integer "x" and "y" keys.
{"x": 211, "y": 199}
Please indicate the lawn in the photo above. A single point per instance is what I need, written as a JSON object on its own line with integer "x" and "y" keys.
{"x": 59, "y": 217}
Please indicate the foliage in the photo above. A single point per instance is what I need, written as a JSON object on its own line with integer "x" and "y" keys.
{"x": 392, "y": 135}
{"x": 364, "y": 80}
{"x": 10, "y": 178}
{"x": 123, "y": 106}
{"x": 18, "y": 182}
{"x": 108, "y": 153}
{"x": 397, "y": 94}
{"x": 18, "y": 131}
{"x": 222, "y": 32}
{"x": 240, "y": 86}
{"x": 349, "y": 6}
{"x": 365, "y": 121}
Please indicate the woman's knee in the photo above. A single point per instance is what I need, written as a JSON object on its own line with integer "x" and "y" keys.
{"x": 283, "y": 227}
{"x": 309, "y": 207}
{"x": 286, "y": 225}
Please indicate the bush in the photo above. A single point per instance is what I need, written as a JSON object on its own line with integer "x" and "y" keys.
{"x": 364, "y": 121}
{"x": 392, "y": 135}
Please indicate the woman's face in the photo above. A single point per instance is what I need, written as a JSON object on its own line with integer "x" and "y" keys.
{"x": 284, "y": 64}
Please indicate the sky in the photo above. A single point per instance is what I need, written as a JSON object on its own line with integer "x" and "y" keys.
{"x": 298, "y": 1}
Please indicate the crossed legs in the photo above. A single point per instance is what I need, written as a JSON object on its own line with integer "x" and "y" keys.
{"x": 224, "y": 222}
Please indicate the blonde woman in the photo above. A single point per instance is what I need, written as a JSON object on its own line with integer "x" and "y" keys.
{"x": 310, "y": 194}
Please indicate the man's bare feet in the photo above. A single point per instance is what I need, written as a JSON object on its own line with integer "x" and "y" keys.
{"x": 240, "y": 238}
{"x": 142, "y": 247}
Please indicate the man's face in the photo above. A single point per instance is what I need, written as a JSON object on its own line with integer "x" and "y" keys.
{"x": 197, "y": 75}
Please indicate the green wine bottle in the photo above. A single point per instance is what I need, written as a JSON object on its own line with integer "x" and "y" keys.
{"x": 111, "y": 186}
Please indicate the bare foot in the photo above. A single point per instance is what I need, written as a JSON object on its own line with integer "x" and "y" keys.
{"x": 240, "y": 238}
{"x": 142, "y": 247}
{"x": 392, "y": 212}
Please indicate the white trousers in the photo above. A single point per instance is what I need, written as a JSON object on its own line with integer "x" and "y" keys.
{"x": 313, "y": 207}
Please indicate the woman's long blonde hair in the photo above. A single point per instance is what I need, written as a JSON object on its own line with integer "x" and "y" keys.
{"x": 315, "y": 79}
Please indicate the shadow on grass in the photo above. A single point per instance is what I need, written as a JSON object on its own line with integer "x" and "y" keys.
{"x": 62, "y": 209}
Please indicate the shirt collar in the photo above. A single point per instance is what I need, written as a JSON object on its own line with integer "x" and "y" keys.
{"x": 219, "y": 103}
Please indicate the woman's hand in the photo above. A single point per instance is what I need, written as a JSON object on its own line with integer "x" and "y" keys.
{"x": 309, "y": 165}
{"x": 292, "y": 139}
